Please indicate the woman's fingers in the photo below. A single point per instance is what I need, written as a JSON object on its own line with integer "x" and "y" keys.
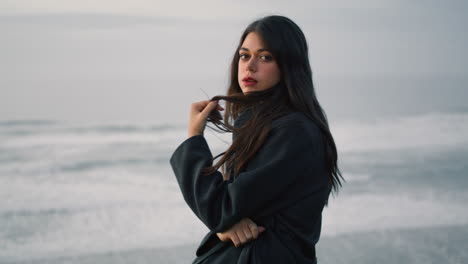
{"x": 199, "y": 113}
{"x": 240, "y": 234}
{"x": 209, "y": 107}
{"x": 261, "y": 229}
{"x": 204, "y": 106}
{"x": 253, "y": 230}
{"x": 248, "y": 234}
{"x": 223, "y": 237}
{"x": 244, "y": 232}
{"x": 199, "y": 106}
{"x": 235, "y": 240}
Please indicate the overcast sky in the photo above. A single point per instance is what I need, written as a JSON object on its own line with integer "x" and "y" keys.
{"x": 147, "y": 60}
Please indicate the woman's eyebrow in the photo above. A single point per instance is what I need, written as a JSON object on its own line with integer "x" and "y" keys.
{"x": 259, "y": 50}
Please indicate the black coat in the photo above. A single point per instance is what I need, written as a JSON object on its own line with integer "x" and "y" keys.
{"x": 283, "y": 188}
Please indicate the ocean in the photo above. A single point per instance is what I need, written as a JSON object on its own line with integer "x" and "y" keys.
{"x": 83, "y": 192}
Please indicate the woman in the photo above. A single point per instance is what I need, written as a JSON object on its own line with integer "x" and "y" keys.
{"x": 266, "y": 206}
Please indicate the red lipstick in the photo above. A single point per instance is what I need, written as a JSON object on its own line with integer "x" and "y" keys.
{"x": 249, "y": 81}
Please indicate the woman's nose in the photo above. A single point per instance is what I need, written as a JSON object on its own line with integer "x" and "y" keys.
{"x": 251, "y": 65}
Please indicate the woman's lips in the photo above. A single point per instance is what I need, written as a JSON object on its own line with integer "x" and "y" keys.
{"x": 249, "y": 81}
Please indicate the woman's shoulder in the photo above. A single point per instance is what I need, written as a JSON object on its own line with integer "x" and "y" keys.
{"x": 297, "y": 125}
{"x": 297, "y": 129}
{"x": 294, "y": 119}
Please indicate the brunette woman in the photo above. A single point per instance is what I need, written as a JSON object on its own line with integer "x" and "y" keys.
{"x": 266, "y": 204}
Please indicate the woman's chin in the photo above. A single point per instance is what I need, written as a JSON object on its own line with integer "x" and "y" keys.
{"x": 252, "y": 89}
{"x": 249, "y": 89}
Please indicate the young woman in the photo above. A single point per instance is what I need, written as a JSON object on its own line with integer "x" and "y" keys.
{"x": 266, "y": 206}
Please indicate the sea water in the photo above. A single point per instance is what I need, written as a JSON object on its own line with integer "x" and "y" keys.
{"x": 76, "y": 192}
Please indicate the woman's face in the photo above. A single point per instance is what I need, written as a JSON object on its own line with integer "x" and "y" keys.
{"x": 258, "y": 69}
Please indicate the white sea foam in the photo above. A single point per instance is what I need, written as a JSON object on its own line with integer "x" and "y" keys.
{"x": 52, "y": 203}
{"x": 84, "y": 190}
{"x": 101, "y": 230}
{"x": 95, "y": 214}
{"x": 423, "y": 131}
{"x": 91, "y": 138}
{"x": 356, "y": 177}
{"x": 90, "y": 212}
{"x": 367, "y": 212}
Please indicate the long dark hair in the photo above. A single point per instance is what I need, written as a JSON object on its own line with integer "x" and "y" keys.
{"x": 294, "y": 92}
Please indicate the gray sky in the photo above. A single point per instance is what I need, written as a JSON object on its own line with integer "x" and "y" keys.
{"x": 147, "y": 60}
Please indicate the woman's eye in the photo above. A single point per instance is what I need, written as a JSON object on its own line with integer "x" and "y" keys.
{"x": 243, "y": 56}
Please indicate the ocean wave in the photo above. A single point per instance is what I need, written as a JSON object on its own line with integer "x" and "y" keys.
{"x": 428, "y": 131}
{"x": 91, "y": 138}
{"x": 369, "y": 212}
{"x": 93, "y": 164}
{"x": 27, "y": 122}
{"x": 419, "y": 131}
{"x": 36, "y": 127}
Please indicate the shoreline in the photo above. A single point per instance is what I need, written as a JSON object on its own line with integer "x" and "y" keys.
{"x": 441, "y": 244}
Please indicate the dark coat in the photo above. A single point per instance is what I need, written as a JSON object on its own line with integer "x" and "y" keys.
{"x": 283, "y": 188}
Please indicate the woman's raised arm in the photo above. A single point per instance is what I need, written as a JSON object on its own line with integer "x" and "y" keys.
{"x": 291, "y": 156}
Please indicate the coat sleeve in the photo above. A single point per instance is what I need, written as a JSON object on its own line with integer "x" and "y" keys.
{"x": 288, "y": 155}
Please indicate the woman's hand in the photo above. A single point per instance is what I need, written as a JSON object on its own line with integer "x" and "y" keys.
{"x": 199, "y": 112}
{"x": 242, "y": 232}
